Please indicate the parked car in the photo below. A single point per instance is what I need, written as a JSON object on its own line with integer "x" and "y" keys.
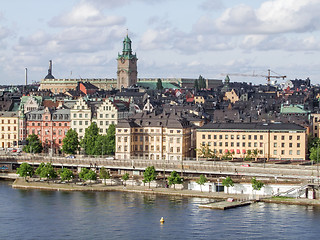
{"x": 70, "y": 156}
{"x": 245, "y": 165}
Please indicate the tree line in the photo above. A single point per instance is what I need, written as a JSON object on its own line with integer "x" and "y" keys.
{"x": 93, "y": 143}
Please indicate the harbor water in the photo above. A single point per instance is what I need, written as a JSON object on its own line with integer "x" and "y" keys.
{"x": 39, "y": 214}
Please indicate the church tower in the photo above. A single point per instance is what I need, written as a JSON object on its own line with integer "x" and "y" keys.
{"x": 127, "y": 74}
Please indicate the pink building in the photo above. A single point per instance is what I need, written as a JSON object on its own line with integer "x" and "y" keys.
{"x": 50, "y": 125}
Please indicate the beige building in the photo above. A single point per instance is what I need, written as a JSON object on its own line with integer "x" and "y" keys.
{"x": 80, "y": 117}
{"x": 165, "y": 136}
{"x": 109, "y": 113}
{"x": 273, "y": 141}
{"x": 9, "y": 129}
{"x": 103, "y": 113}
{"x": 315, "y": 128}
{"x": 63, "y": 85}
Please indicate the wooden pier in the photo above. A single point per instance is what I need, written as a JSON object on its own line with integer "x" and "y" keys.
{"x": 223, "y": 205}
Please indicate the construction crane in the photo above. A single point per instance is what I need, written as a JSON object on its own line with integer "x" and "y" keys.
{"x": 268, "y": 77}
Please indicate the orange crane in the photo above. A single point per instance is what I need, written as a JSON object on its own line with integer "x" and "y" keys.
{"x": 268, "y": 77}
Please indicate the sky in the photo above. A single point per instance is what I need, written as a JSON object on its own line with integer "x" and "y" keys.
{"x": 172, "y": 38}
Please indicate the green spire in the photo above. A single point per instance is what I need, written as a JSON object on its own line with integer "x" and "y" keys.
{"x": 127, "y": 50}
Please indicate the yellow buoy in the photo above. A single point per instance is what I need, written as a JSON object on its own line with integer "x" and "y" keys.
{"x": 161, "y": 220}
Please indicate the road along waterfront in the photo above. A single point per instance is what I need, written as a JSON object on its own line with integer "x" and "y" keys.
{"x": 42, "y": 214}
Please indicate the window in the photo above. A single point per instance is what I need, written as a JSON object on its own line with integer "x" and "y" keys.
{"x": 261, "y": 137}
{"x": 203, "y": 136}
{"x": 178, "y": 149}
{"x": 226, "y": 144}
{"x": 290, "y": 152}
{"x": 298, "y": 137}
{"x": 214, "y": 136}
{"x": 274, "y": 137}
{"x": 209, "y": 136}
{"x": 282, "y": 145}
{"x": 243, "y": 137}
{"x": 282, "y": 137}
{"x": 274, "y": 152}
{"x": 255, "y": 137}
{"x": 80, "y": 115}
{"x": 232, "y": 136}
{"x": 275, "y": 145}
{"x": 243, "y": 144}
{"x": 290, "y": 145}
{"x": 249, "y": 137}
{"x": 74, "y": 122}
{"x": 298, "y": 145}
{"x": 298, "y": 152}
{"x": 226, "y": 136}
{"x": 238, "y": 136}
{"x": 220, "y": 136}
{"x": 125, "y": 139}
{"x": 80, "y": 122}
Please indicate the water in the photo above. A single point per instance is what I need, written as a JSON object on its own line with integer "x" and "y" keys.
{"x": 38, "y": 214}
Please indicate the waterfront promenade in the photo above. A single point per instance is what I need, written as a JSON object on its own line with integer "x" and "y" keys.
{"x": 22, "y": 184}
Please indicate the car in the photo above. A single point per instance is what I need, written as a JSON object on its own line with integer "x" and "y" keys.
{"x": 109, "y": 158}
{"x": 70, "y": 156}
{"x": 245, "y": 165}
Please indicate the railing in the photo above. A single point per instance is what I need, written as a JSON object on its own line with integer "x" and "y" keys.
{"x": 201, "y": 167}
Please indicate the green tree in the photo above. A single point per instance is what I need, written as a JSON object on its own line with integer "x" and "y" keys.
{"x": 104, "y": 174}
{"x": 227, "y": 156}
{"x": 149, "y": 175}
{"x": 256, "y": 185}
{"x": 25, "y": 170}
{"x": 174, "y": 179}
{"x": 34, "y": 144}
{"x": 89, "y": 139}
{"x": 101, "y": 145}
{"x": 70, "y": 144}
{"x": 202, "y": 82}
{"x": 206, "y": 152}
{"x": 255, "y": 154}
{"x": 39, "y": 169}
{"x": 196, "y": 85}
{"x": 91, "y": 176}
{"x": 248, "y": 157}
{"x": 159, "y": 84}
{"x": 227, "y": 182}
{"x": 48, "y": 172}
{"x": 111, "y": 140}
{"x": 125, "y": 177}
{"x": 82, "y": 174}
{"x": 201, "y": 181}
{"x": 66, "y": 174}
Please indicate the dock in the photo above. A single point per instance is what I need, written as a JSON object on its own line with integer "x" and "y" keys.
{"x": 223, "y": 205}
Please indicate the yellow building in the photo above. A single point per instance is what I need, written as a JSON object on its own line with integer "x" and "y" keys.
{"x": 232, "y": 96}
{"x": 271, "y": 141}
{"x": 9, "y": 129}
{"x": 166, "y": 136}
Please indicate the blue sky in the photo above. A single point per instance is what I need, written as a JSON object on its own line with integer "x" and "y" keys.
{"x": 172, "y": 38}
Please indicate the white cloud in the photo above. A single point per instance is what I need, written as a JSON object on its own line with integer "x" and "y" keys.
{"x": 276, "y": 16}
{"x": 155, "y": 39}
{"x": 86, "y": 15}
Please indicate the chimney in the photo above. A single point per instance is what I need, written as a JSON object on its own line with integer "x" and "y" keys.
{"x": 26, "y": 76}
